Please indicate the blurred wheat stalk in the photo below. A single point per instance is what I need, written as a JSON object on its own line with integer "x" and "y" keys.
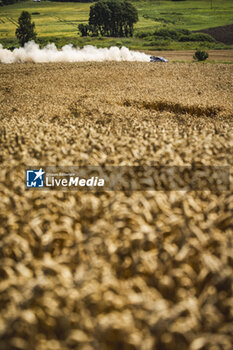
{"x": 87, "y": 271}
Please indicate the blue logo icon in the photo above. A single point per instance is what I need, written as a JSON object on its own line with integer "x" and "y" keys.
{"x": 35, "y": 178}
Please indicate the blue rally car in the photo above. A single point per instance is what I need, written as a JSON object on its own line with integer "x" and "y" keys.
{"x": 158, "y": 59}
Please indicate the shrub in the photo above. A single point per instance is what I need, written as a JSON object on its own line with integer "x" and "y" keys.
{"x": 200, "y": 55}
{"x": 173, "y": 34}
{"x": 203, "y": 37}
{"x": 184, "y": 38}
{"x": 167, "y": 34}
{"x": 184, "y": 31}
{"x": 142, "y": 35}
{"x": 119, "y": 44}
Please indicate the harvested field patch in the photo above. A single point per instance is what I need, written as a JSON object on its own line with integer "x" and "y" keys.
{"x": 115, "y": 270}
{"x": 224, "y": 34}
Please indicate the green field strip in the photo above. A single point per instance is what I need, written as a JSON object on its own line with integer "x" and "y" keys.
{"x": 12, "y": 21}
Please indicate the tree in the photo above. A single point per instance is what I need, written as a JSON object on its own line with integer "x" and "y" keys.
{"x": 83, "y": 29}
{"x": 113, "y": 17}
{"x": 130, "y": 17}
{"x": 200, "y": 55}
{"x": 100, "y": 17}
{"x": 25, "y": 30}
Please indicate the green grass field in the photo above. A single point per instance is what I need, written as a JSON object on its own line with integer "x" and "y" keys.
{"x": 58, "y": 22}
{"x": 192, "y": 15}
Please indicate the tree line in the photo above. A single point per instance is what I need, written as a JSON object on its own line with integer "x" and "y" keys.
{"x": 9, "y": 2}
{"x": 72, "y": 0}
{"x": 114, "y": 18}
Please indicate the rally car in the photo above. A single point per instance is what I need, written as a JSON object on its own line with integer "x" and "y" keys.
{"x": 158, "y": 59}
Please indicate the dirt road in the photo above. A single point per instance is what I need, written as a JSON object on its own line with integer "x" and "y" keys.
{"x": 214, "y": 55}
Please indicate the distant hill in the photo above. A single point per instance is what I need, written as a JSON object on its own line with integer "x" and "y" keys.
{"x": 223, "y": 34}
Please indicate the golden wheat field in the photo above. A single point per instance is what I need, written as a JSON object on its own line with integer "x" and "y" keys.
{"x": 145, "y": 270}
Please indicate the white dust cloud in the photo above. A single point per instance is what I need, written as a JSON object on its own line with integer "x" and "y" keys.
{"x": 31, "y": 52}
